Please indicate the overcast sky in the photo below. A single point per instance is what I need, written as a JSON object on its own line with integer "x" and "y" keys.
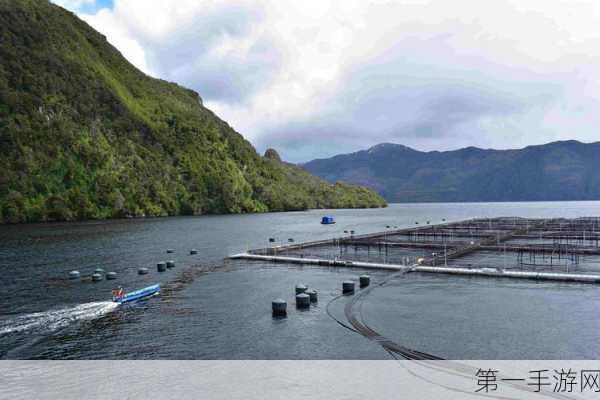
{"x": 317, "y": 78}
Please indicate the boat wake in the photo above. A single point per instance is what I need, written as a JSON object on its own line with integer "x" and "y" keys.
{"x": 53, "y": 320}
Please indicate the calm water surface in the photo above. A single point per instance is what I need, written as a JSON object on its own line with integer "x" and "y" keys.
{"x": 213, "y": 309}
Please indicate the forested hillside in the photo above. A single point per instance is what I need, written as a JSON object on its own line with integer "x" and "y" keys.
{"x": 84, "y": 134}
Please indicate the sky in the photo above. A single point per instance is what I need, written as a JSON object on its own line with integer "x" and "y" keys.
{"x": 313, "y": 79}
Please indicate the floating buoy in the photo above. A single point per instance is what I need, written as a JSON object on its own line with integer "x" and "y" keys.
{"x": 193, "y": 252}
{"x": 312, "y": 294}
{"x": 302, "y": 300}
{"x": 365, "y": 280}
{"x": 96, "y": 277}
{"x": 170, "y": 251}
{"x": 161, "y": 266}
{"x": 111, "y": 275}
{"x": 301, "y": 288}
{"x": 170, "y": 264}
{"x": 143, "y": 271}
{"x": 348, "y": 287}
{"x": 99, "y": 271}
{"x": 74, "y": 275}
{"x": 279, "y": 307}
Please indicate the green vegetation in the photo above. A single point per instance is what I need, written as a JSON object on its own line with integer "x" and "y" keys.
{"x": 296, "y": 189}
{"x": 84, "y": 134}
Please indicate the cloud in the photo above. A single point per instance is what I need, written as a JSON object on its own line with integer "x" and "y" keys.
{"x": 219, "y": 48}
{"x": 316, "y": 78}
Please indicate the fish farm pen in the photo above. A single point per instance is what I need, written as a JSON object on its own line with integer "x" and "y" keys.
{"x": 511, "y": 247}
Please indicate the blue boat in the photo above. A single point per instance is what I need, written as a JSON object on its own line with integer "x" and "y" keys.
{"x": 327, "y": 220}
{"x": 120, "y": 297}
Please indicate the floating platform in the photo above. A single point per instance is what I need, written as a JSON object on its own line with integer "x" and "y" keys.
{"x": 485, "y": 272}
{"x": 319, "y": 261}
{"x": 555, "y": 249}
{"x": 502, "y": 273}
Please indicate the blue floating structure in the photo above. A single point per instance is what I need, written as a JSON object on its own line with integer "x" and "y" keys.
{"x": 327, "y": 220}
{"x": 135, "y": 295}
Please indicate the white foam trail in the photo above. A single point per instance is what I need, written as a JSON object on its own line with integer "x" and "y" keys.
{"x": 52, "y": 320}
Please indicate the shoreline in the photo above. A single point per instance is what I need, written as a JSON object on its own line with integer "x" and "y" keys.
{"x": 130, "y": 218}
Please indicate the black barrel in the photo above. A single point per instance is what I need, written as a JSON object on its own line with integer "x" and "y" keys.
{"x": 279, "y": 307}
{"x": 365, "y": 280}
{"x": 348, "y": 287}
{"x": 301, "y": 288}
{"x": 302, "y": 300}
{"x": 312, "y": 294}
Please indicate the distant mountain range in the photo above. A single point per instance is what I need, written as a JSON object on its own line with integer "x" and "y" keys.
{"x": 566, "y": 170}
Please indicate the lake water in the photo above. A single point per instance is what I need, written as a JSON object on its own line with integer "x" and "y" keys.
{"x": 212, "y": 309}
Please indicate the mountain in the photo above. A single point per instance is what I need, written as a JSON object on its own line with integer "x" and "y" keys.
{"x": 567, "y": 170}
{"x": 84, "y": 134}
